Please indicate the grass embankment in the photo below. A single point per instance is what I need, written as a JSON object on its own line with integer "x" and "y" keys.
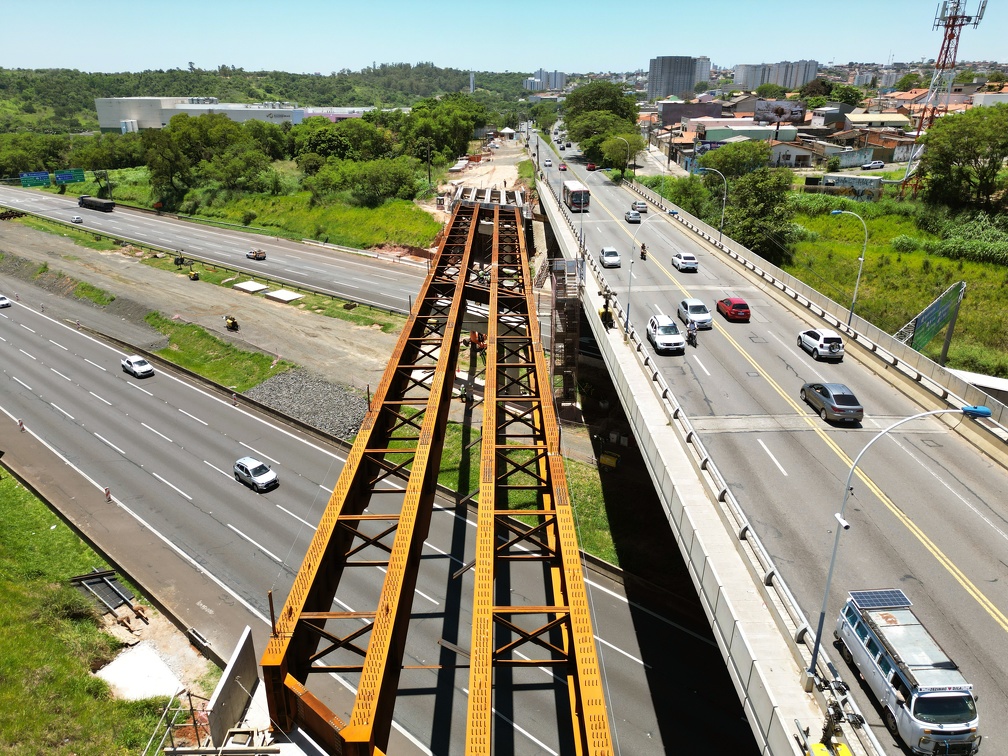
{"x": 49, "y": 700}
{"x": 896, "y": 285}
{"x": 291, "y": 214}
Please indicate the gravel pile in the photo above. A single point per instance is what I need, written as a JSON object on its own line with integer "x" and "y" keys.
{"x": 334, "y": 409}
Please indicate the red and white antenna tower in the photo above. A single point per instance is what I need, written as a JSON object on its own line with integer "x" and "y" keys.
{"x": 953, "y": 17}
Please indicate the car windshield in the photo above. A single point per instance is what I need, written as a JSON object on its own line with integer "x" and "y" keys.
{"x": 698, "y": 309}
{"x": 610, "y": 253}
{"x": 945, "y": 709}
{"x": 259, "y": 469}
{"x": 668, "y": 330}
{"x": 140, "y": 363}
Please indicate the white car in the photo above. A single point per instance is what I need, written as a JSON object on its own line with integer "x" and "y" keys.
{"x": 874, "y": 165}
{"x": 548, "y": 163}
{"x": 695, "y": 310}
{"x": 255, "y": 474}
{"x": 685, "y": 261}
{"x": 4, "y": 302}
{"x": 664, "y": 335}
{"x": 76, "y": 219}
{"x": 822, "y": 344}
{"x": 631, "y": 216}
{"x": 137, "y": 366}
{"x": 639, "y": 205}
{"x": 609, "y": 257}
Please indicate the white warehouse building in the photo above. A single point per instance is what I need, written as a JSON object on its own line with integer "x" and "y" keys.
{"x": 125, "y": 114}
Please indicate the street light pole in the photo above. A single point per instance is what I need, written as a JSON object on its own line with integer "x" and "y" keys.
{"x": 970, "y": 411}
{"x": 864, "y": 246}
{"x": 724, "y": 198}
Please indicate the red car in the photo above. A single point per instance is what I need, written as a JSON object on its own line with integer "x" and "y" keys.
{"x": 590, "y": 166}
{"x": 563, "y": 166}
{"x": 734, "y": 308}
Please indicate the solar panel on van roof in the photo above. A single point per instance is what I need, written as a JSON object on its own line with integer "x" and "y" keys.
{"x": 887, "y": 598}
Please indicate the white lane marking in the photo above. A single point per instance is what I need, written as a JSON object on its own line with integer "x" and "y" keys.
{"x": 59, "y": 345}
{"x": 2, "y": 338}
{"x": 259, "y": 453}
{"x": 56, "y": 406}
{"x": 628, "y": 655}
{"x": 347, "y": 285}
{"x": 158, "y": 433}
{"x": 194, "y": 417}
{"x": 222, "y": 472}
{"x": 133, "y": 385}
{"x": 261, "y": 548}
{"x": 701, "y": 364}
{"x": 64, "y": 377}
{"x": 454, "y": 558}
{"x": 100, "y": 399}
{"x": 299, "y": 519}
{"x": 22, "y": 383}
{"x": 317, "y": 270}
{"x": 177, "y": 489}
{"x": 930, "y": 470}
{"x": 772, "y": 457}
{"x": 26, "y": 354}
{"x": 96, "y": 365}
{"x": 109, "y": 443}
{"x": 522, "y": 730}
{"x": 801, "y": 353}
{"x": 418, "y": 593}
{"x": 26, "y": 327}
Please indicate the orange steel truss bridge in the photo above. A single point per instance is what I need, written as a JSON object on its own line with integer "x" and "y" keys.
{"x": 381, "y": 509}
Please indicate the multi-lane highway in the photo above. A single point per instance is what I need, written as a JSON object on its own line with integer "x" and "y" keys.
{"x": 166, "y": 447}
{"x": 929, "y": 514}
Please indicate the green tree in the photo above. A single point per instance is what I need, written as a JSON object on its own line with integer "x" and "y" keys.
{"x": 908, "y": 81}
{"x": 996, "y": 76}
{"x": 965, "y": 77}
{"x": 735, "y": 160}
{"x": 771, "y": 91}
{"x": 701, "y": 86}
{"x": 815, "y": 88}
{"x": 366, "y": 141}
{"x": 690, "y": 194}
{"x": 600, "y": 95}
{"x": 616, "y": 151}
{"x": 817, "y": 101}
{"x": 593, "y": 128}
{"x": 758, "y": 214}
{"x": 847, "y": 94}
{"x": 169, "y": 168}
{"x": 963, "y": 155}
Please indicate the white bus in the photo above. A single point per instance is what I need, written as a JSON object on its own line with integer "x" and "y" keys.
{"x": 576, "y": 196}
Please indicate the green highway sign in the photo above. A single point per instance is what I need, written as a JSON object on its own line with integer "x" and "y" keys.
{"x": 70, "y": 176}
{"x": 38, "y": 178}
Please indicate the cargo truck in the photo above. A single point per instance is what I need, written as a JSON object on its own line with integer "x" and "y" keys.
{"x": 925, "y": 699}
{"x": 95, "y": 203}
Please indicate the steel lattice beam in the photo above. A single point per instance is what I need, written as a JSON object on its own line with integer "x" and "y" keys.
{"x": 391, "y": 472}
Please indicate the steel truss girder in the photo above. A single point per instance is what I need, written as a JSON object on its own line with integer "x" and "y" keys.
{"x": 392, "y": 471}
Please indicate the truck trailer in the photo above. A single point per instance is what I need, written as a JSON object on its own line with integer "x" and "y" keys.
{"x": 95, "y": 203}
{"x": 925, "y": 699}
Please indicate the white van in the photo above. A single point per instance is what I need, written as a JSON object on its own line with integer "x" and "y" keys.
{"x": 925, "y": 699}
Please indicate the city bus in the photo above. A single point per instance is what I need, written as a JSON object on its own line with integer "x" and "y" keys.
{"x": 576, "y": 196}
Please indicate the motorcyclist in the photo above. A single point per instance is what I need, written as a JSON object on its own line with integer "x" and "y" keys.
{"x": 643, "y": 251}
{"x": 691, "y": 332}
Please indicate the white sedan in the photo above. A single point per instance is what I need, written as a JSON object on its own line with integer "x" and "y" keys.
{"x": 4, "y": 302}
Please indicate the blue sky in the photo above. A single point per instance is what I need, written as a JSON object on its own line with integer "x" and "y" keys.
{"x": 308, "y": 36}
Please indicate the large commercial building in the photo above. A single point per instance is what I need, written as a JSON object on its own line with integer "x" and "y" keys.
{"x": 788, "y": 74}
{"x": 672, "y": 75}
{"x": 134, "y": 113}
{"x": 543, "y": 80}
{"x": 703, "y": 70}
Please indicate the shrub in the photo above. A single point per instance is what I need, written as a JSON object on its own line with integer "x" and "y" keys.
{"x": 904, "y": 243}
{"x": 801, "y": 233}
{"x": 248, "y": 216}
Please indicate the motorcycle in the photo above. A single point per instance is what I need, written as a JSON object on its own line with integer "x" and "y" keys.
{"x": 643, "y": 252}
{"x": 691, "y": 337}
{"x": 231, "y": 322}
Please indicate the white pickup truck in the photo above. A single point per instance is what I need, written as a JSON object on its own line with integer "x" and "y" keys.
{"x": 137, "y": 366}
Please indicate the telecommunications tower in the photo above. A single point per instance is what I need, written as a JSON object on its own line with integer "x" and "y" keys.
{"x": 951, "y": 16}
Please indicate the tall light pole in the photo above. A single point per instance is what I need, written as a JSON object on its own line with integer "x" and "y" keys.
{"x": 633, "y": 247}
{"x": 724, "y": 198}
{"x": 864, "y": 246}
{"x": 627, "y": 163}
{"x": 970, "y": 411}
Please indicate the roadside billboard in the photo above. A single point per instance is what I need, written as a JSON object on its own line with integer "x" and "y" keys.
{"x": 779, "y": 111}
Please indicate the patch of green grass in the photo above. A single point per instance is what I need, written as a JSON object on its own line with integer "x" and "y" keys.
{"x": 100, "y": 297}
{"x": 49, "y": 700}
{"x": 191, "y": 347}
{"x": 77, "y": 235}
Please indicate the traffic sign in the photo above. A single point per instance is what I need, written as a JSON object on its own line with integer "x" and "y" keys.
{"x": 70, "y": 176}
{"x": 38, "y": 178}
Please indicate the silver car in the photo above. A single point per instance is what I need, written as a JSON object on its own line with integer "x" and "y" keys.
{"x": 255, "y": 474}
{"x": 137, "y": 366}
{"x": 609, "y": 257}
{"x": 631, "y": 216}
{"x": 822, "y": 344}
{"x": 833, "y": 401}
{"x": 695, "y": 310}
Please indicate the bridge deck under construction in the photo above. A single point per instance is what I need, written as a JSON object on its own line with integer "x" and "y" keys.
{"x": 528, "y": 610}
